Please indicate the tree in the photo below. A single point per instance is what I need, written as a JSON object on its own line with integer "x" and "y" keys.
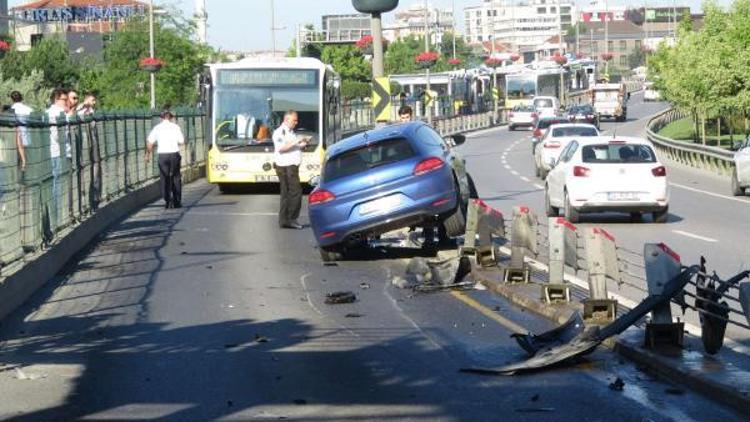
{"x": 31, "y": 86}
{"x": 401, "y": 55}
{"x": 50, "y": 56}
{"x": 636, "y": 58}
{"x": 348, "y": 61}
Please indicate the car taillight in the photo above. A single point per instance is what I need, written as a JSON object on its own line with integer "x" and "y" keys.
{"x": 534, "y": 115}
{"x": 510, "y": 114}
{"x": 589, "y": 116}
{"x": 660, "y": 171}
{"x": 552, "y": 144}
{"x": 428, "y": 165}
{"x": 537, "y": 133}
{"x": 320, "y": 196}
{"x": 580, "y": 171}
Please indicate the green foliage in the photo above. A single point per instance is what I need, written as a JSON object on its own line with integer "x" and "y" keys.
{"x": 348, "y": 61}
{"x": 636, "y": 58}
{"x": 50, "y": 57}
{"x": 32, "y": 86}
{"x": 355, "y": 89}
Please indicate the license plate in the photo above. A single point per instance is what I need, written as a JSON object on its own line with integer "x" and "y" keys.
{"x": 266, "y": 178}
{"x": 622, "y": 196}
{"x": 380, "y": 205}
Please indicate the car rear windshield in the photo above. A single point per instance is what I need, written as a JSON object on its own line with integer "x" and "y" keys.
{"x": 574, "y": 131}
{"x": 362, "y": 159}
{"x": 524, "y": 109}
{"x": 544, "y": 124}
{"x": 582, "y": 110}
{"x": 618, "y": 153}
{"x": 543, "y": 102}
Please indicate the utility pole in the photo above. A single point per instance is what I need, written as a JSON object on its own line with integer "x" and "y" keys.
{"x": 273, "y": 30}
{"x": 453, "y": 11}
{"x": 495, "y": 91}
{"x": 427, "y": 106}
{"x": 376, "y": 27}
{"x": 606, "y": 39}
{"x": 151, "y": 51}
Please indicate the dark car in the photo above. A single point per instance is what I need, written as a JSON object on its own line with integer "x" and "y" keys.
{"x": 542, "y": 124}
{"x": 385, "y": 179}
{"x": 583, "y": 114}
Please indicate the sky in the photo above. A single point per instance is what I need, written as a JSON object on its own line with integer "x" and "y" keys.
{"x": 244, "y": 25}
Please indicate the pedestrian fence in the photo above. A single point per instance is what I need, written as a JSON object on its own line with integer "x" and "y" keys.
{"x": 561, "y": 252}
{"x": 101, "y": 158}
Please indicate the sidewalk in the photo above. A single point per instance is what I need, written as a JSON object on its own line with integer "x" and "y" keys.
{"x": 724, "y": 377}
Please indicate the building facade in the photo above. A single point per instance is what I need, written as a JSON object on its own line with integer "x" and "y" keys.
{"x": 524, "y": 25}
{"x": 411, "y": 21}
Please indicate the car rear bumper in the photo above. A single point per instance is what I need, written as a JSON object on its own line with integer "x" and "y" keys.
{"x": 593, "y": 207}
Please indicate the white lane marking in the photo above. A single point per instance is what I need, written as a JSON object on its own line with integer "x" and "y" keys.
{"x": 525, "y": 179}
{"x": 482, "y": 132}
{"x": 695, "y": 236}
{"x": 717, "y": 195}
{"x": 538, "y": 186}
{"x": 507, "y": 167}
{"x": 513, "y": 172}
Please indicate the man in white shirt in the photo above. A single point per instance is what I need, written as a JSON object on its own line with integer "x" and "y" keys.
{"x": 22, "y": 112}
{"x": 287, "y": 155}
{"x": 168, "y": 138}
{"x": 55, "y": 112}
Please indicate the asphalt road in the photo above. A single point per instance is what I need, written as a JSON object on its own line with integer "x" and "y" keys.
{"x": 704, "y": 218}
{"x": 213, "y": 313}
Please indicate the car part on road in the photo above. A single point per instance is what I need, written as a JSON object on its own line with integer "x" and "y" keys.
{"x": 587, "y": 340}
{"x": 533, "y": 343}
{"x": 337, "y": 298}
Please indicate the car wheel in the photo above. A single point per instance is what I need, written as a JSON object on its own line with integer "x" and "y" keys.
{"x": 636, "y": 217}
{"x": 661, "y": 217}
{"x": 737, "y": 190}
{"x": 571, "y": 214}
{"x": 455, "y": 224}
{"x": 328, "y": 254}
{"x": 473, "y": 193}
{"x": 549, "y": 209}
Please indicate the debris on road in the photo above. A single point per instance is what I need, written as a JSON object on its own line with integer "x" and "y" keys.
{"x": 336, "y": 298}
{"x": 435, "y": 275}
{"x": 617, "y": 385}
{"x": 590, "y": 337}
{"x": 403, "y": 283}
{"x": 532, "y": 343}
{"x": 364, "y": 286}
{"x": 353, "y": 315}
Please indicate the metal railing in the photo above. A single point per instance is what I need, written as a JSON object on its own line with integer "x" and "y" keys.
{"x": 717, "y": 160}
{"x": 101, "y": 158}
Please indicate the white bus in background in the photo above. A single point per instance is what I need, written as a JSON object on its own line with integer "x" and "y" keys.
{"x": 246, "y": 102}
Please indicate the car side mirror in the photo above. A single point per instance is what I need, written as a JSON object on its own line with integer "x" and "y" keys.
{"x": 458, "y": 139}
{"x": 314, "y": 181}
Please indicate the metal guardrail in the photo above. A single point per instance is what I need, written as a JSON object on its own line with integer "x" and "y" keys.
{"x": 717, "y": 160}
{"x": 102, "y": 158}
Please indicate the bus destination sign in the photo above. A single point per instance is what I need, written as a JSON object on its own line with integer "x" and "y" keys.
{"x": 283, "y": 77}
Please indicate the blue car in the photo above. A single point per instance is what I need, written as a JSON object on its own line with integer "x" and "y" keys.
{"x": 385, "y": 179}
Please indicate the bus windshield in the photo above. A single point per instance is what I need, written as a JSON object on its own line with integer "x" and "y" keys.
{"x": 521, "y": 88}
{"x": 247, "y": 115}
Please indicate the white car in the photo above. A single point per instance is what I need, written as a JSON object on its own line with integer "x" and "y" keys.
{"x": 649, "y": 93}
{"x": 547, "y": 106}
{"x": 605, "y": 174}
{"x": 554, "y": 140}
{"x": 741, "y": 175}
{"x": 522, "y": 115}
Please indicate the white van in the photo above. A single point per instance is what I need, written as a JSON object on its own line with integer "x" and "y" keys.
{"x": 741, "y": 174}
{"x": 547, "y": 106}
{"x": 650, "y": 93}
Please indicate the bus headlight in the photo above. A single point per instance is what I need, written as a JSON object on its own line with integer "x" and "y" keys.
{"x": 220, "y": 166}
{"x": 313, "y": 167}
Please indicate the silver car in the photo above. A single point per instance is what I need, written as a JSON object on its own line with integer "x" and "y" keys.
{"x": 741, "y": 175}
{"x": 522, "y": 115}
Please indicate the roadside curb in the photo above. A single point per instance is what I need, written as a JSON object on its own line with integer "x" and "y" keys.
{"x": 628, "y": 344}
{"x": 18, "y": 287}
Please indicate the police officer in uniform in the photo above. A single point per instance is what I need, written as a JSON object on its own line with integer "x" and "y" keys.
{"x": 168, "y": 138}
{"x": 287, "y": 159}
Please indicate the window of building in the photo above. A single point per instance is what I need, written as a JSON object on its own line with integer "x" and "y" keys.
{"x": 610, "y": 46}
{"x": 479, "y": 22}
{"x": 565, "y": 9}
{"x": 479, "y": 13}
{"x": 553, "y": 9}
{"x": 624, "y": 61}
{"x": 623, "y": 45}
{"x": 637, "y": 44}
{"x": 541, "y": 10}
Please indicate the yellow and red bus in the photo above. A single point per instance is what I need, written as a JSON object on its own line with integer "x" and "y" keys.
{"x": 246, "y": 102}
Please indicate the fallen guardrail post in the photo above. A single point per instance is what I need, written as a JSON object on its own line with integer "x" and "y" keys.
{"x": 745, "y": 299}
{"x": 522, "y": 240}
{"x": 484, "y": 222}
{"x": 601, "y": 257}
{"x": 662, "y": 265}
{"x": 563, "y": 245}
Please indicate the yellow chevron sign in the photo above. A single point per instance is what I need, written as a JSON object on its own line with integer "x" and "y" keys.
{"x": 381, "y": 99}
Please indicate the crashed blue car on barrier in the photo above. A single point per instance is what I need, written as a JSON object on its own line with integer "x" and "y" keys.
{"x": 384, "y": 179}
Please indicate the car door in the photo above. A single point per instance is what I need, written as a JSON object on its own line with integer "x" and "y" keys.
{"x": 556, "y": 177}
{"x": 742, "y": 162}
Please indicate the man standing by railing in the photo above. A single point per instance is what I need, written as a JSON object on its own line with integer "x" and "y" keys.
{"x": 57, "y": 144}
{"x": 168, "y": 137}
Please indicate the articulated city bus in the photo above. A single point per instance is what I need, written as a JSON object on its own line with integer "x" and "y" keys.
{"x": 246, "y": 102}
{"x": 522, "y": 87}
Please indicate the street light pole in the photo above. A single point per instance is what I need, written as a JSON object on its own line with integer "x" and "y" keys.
{"x": 495, "y": 91}
{"x": 427, "y": 110}
{"x": 151, "y": 50}
{"x": 606, "y": 39}
{"x": 376, "y": 27}
{"x": 560, "y": 48}
{"x": 273, "y": 30}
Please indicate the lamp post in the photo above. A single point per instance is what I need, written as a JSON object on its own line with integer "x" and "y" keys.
{"x": 151, "y": 51}
{"x": 427, "y": 110}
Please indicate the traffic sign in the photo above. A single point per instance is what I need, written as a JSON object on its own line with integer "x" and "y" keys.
{"x": 381, "y": 98}
{"x": 495, "y": 94}
{"x": 429, "y": 97}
